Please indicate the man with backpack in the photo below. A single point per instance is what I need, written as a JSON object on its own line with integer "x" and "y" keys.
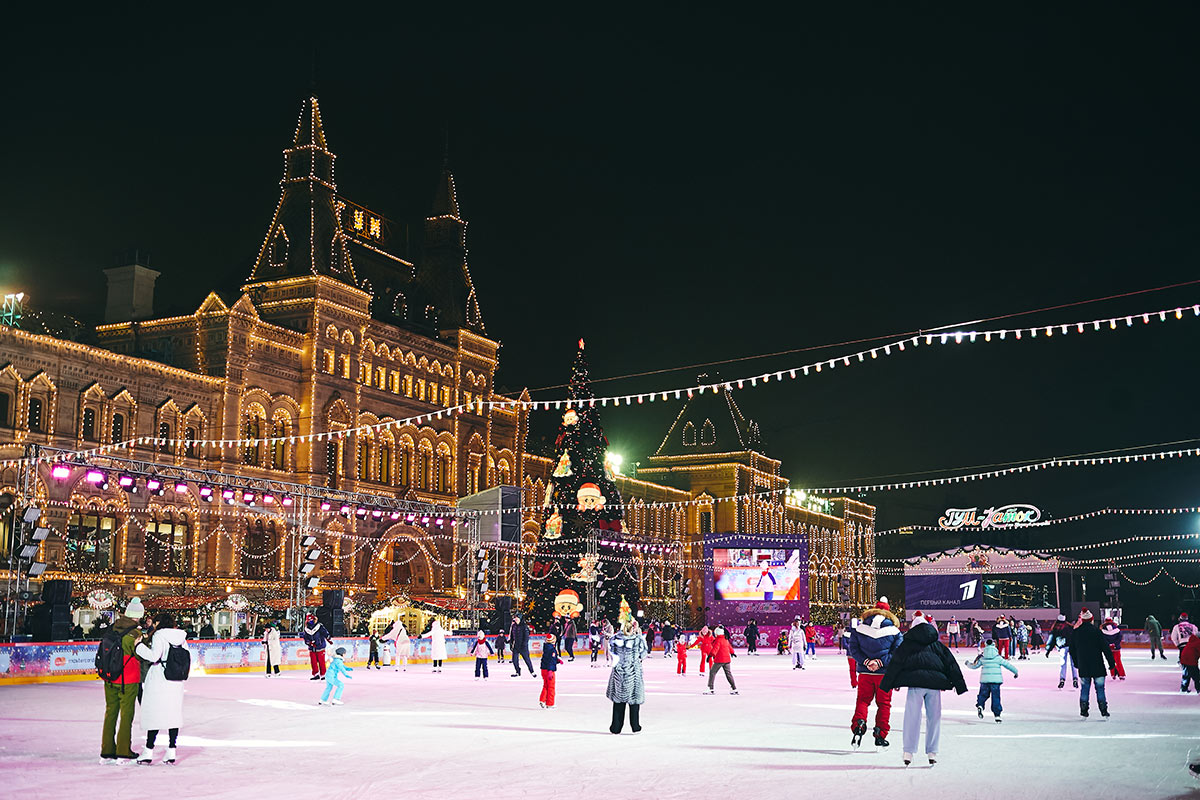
{"x": 121, "y": 672}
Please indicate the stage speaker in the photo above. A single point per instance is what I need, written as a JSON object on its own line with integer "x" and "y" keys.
{"x": 501, "y": 619}
{"x": 334, "y": 619}
{"x": 57, "y": 591}
{"x": 500, "y": 513}
{"x": 333, "y": 598}
{"x": 60, "y": 621}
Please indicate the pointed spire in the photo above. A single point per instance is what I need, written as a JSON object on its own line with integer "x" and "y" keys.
{"x": 445, "y": 200}
{"x": 309, "y": 131}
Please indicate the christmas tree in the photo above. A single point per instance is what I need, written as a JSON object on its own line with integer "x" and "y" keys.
{"x": 581, "y": 501}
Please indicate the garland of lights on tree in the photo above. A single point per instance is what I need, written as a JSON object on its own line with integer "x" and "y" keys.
{"x": 581, "y": 500}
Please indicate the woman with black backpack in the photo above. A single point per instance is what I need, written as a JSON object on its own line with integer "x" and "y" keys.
{"x": 162, "y": 691}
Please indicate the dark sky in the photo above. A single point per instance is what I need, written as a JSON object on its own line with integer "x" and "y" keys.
{"x": 679, "y": 186}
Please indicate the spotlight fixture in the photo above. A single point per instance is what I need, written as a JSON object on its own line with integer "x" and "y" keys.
{"x": 287, "y": 501}
{"x": 268, "y": 499}
{"x": 95, "y": 477}
{"x": 410, "y": 518}
{"x": 306, "y": 568}
{"x": 326, "y": 505}
{"x": 345, "y": 510}
{"x": 60, "y": 472}
{"x": 36, "y": 569}
{"x": 228, "y": 496}
{"x": 248, "y": 497}
{"x": 360, "y": 512}
{"x": 206, "y": 493}
{"x": 181, "y": 487}
{"x": 377, "y": 513}
{"x": 308, "y": 541}
{"x": 154, "y": 486}
{"x": 439, "y": 522}
{"x": 313, "y": 554}
{"x": 128, "y": 483}
{"x": 395, "y": 515}
{"x": 425, "y": 520}
{"x": 312, "y": 582}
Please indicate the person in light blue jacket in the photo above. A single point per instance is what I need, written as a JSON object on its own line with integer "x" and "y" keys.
{"x": 333, "y": 678}
{"x": 992, "y": 666}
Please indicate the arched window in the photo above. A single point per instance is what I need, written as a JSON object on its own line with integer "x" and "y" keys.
{"x": 89, "y": 424}
{"x": 252, "y": 430}
{"x": 332, "y": 466}
{"x": 689, "y": 434}
{"x": 37, "y": 418}
{"x": 191, "y": 449}
{"x": 385, "y": 464}
{"x": 279, "y": 430}
{"x": 708, "y": 433}
{"x": 424, "y": 465}
{"x": 364, "y": 459}
{"x": 164, "y": 436}
{"x": 89, "y": 541}
{"x": 166, "y": 544}
{"x": 406, "y": 463}
{"x": 5, "y": 409}
{"x": 118, "y": 428}
{"x": 255, "y": 564}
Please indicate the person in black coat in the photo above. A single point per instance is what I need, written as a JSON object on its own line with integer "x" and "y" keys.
{"x": 751, "y": 633}
{"x": 518, "y": 638}
{"x": 1090, "y": 650}
{"x": 927, "y": 668}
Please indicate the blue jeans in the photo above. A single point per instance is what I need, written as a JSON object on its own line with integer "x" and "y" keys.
{"x": 1062, "y": 673}
{"x": 992, "y": 690}
{"x": 931, "y": 700}
{"x": 812, "y": 648}
{"x": 1085, "y": 684}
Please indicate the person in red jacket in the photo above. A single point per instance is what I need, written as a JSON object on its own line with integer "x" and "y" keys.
{"x": 1189, "y": 659}
{"x": 722, "y": 652}
{"x": 681, "y": 648}
{"x": 704, "y": 642}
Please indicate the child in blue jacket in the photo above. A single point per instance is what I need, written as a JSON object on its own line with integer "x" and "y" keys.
{"x": 333, "y": 678}
{"x": 993, "y": 665}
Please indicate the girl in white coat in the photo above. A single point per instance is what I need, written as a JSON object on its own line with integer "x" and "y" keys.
{"x": 401, "y": 644}
{"x": 274, "y": 648}
{"x": 437, "y": 642}
{"x": 162, "y": 700}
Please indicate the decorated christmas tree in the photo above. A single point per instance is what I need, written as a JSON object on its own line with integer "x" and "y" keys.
{"x": 581, "y": 501}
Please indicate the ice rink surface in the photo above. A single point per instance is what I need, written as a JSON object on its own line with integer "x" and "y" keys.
{"x": 420, "y": 734}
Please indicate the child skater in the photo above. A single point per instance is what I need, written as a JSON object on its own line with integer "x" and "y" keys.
{"x": 704, "y": 644}
{"x": 798, "y": 642}
{"x": 333, "y": 678}
{"x": 501, "y": 643}
{"x": 481, "y": 650}
{"x": 681, "y": 648}
{"x": 595, "y": 634}
{"x": 991, "y": 677}
{"x": 549, "y": 667}
{"x": 373, "y": 657}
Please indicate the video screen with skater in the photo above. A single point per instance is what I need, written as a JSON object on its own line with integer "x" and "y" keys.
{"x": 753, "y": 574}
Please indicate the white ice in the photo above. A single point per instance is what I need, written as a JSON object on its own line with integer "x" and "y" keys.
{"x": 420, "y": 734}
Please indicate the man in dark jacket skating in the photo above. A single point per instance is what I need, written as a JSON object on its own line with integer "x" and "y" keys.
{"x": 751, "y": 633}
{"x": 518, "y": 637}
{"x": 927, "y": 668}
{"x": 871, "y": 645}
{"x": 1090, "y": 651}
{"x": 1154, "y": 631}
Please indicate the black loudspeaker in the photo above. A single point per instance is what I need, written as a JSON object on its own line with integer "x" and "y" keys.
{"x": 333, "y": 598}
{"x": 60, "y": 621}
{"x": 501, "y": 619}
{"x": 57, "y": 592}
{"x": 334, "y": 619}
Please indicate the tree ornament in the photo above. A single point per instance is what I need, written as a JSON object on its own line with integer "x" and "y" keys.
{"x": 570, "y": 418}
{"x": 590, "y": 498}
{"x": 563, "y": 469}
{"x": 567, "y": 604}
{"x": 553, "y": 526}
{"x": 549, "y": 494}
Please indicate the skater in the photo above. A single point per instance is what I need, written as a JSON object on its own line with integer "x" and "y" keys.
{"x": 810, "y": 638}
{"x": 607, "y": 635}
{"x": 1022, "y": 637}
{"x": 333, "y": 679}
{"x": 272, "y": 648}
{"x": 162, "y": 697}
{"x": 122, "y": 674}
{"x": 1002, "y": 635}
{"x": 570, "y": 633}
{"x": 626, "y": 686}
{"x": 317, "y": 637}
{"x": 704, "y": 644}
{"x": 1035, "y": 637}
{"x": 872, "y": 644}
{"x": 1090, "y": 651}
{"x": 373, "y": 653}
{"x": 681, "y": 648}
{"x": 797, "y": 641}
{"x": 437, "y": 644}
{"x": 1188, "y": 660}
{"x": 482, "y": 649}
{"x": 549, "y": 666}
{"x": 401, "y": 644}
{"x": 1112, "y": 635}
{"x": 668, "y": 636}
{"x": 594, "y": 634}
{"x": 1154, "y": 631}
{"x": 837, "y": 637}
{"x": 927, "y": 668}
{"x": 751, "y": 633}
{"x": 501, "y": 643}
{"x": 1059, "y": 637}
{"x": 849, "y": 658}
{"x": 651, "y": 630}
{"x": 976, "y": 633}
{"x": 781, "y": 642}
{"x": 952, "y": 631}
{"x": 990, "y": 678}
{"x": 518, "y": 637}
{"x": 721, "y": 653}
{"x": 1183, "y": 632}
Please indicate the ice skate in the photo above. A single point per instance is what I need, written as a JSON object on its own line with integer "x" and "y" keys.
{"x": 1062, "y": 683}
{"x": 998, "y": 718}
{"x": 908, "y": 759}
{"x": 169, "y": 758}
{"x": 147, "y": 756}
{"x": 1083, "y": 708}
{"x": 542, "y": 704}
{"x": 880, "y": 738}
{"x": 337, "y": 702}
{"x": 1075, "y": 682}
{"x": 1104, "y": 709}
{"x": 708, "y": 691}
{"x": 979, "y": 711}
{"x": 315, "y": 678}
{"x": 322, "y": 702}
{"x": 859, "y": 727}
{"x": 932, "y": 758}
{"x": 733, "y": 691}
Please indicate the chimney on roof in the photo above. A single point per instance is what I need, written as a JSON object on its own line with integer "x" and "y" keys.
{"x": 130, "y": 290}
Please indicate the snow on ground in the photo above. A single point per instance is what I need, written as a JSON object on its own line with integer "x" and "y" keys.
{"x": 419, "y": 734}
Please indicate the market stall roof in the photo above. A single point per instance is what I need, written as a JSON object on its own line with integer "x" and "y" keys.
{"x": 178, "y": 602}
{"x": 283, "y": 603}
{"x": 445, "y": 604}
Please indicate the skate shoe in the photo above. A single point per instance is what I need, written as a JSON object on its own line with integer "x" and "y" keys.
{"x": 147, "y": 756}
{"x": 858, "y": 728}
{"x": 880, "y": 738}
{"x": 169, "y": 758}
{"x": 708, "y": 691}
{"x": 1061, "y": 683}
{"x": 932, "y": 758}
{"x": 998, "y": 719}
{"x": 979, "y": 711}
{"x": 1075, "y": 682}
{"x": 908, "y": 759}
{"x": 337, "y": 702}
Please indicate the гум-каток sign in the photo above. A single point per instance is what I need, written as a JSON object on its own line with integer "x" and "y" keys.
{"x": 1010, "y": 516}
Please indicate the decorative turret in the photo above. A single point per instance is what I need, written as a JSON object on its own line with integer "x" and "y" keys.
{"x": 443, "y": 273}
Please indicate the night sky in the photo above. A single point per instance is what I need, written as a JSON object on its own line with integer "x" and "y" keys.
{"x": 681, "y": 186}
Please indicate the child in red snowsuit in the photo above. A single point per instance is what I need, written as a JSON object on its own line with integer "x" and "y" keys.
{"x": 704, "y": 642}
{"x": 681, "y": 648}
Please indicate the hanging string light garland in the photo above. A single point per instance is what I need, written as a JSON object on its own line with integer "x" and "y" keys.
{"x": 480, "y": 405}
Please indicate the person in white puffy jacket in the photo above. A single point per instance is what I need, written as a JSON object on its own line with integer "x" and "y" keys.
{"x": 162, "y": 700}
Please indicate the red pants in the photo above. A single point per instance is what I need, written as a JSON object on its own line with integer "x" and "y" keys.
{"x": 868, "y": 689}
{"x": 317, "y": 659}
{"x": 547, "y": 695}
{"x": 681, "y": 665}
{"x": 853, "y": 672}
{"x": 705, "y": 658}
{"x": 1119, "y": 669}
{"x": 1002, "y": 646}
